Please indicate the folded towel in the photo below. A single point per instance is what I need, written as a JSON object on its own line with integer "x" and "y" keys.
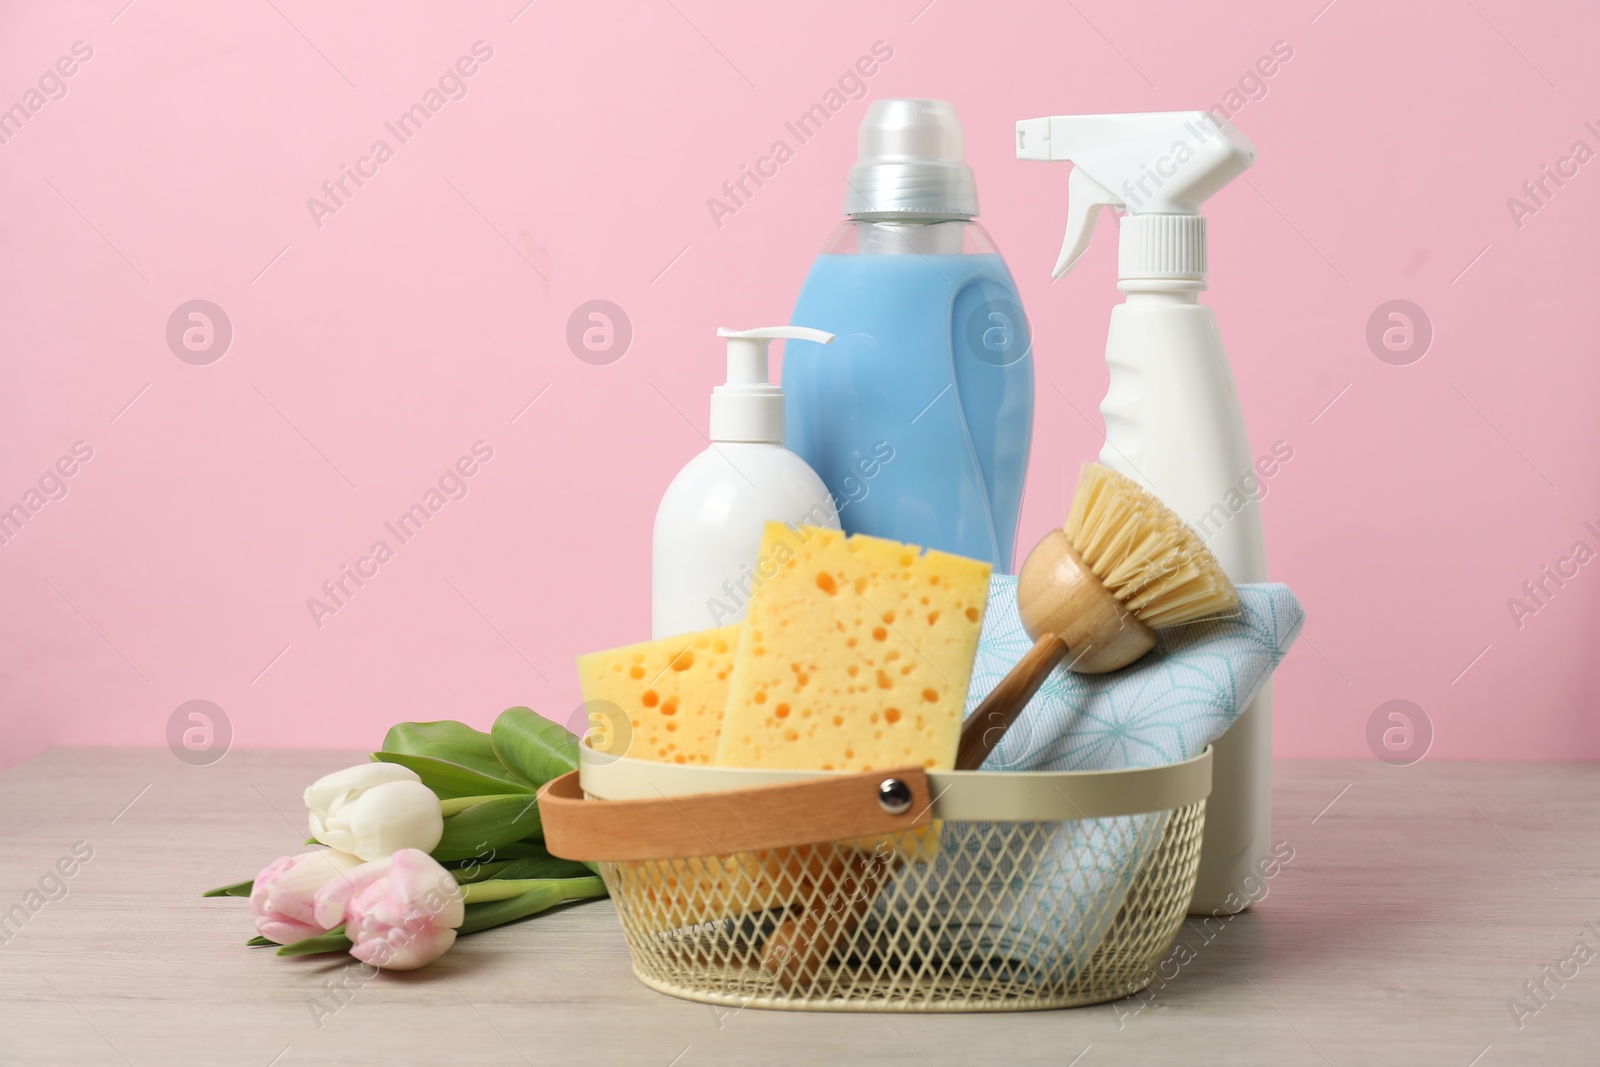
{"x": 1166, "y": 708}
{"x": 1068, "y": 880}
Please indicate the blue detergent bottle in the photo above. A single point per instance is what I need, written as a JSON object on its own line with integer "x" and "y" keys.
{"x": 919, "y": 417}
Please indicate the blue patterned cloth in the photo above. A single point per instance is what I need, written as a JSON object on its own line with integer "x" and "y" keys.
{"x": 1070, "y": 879}
{"x": 1166, "y": 708}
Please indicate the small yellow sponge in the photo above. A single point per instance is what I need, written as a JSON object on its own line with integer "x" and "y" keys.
{"x": 672, "y": 691}
{"x": 856, "y": 654}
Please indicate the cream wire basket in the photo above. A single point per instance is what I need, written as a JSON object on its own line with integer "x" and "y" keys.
{"x": 895, "y": 890}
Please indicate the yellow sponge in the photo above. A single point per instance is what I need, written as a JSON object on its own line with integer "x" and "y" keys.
{"x": 856, "y": 654}
{"x": 672, "y": 691}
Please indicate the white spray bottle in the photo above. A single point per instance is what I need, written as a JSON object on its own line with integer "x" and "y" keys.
{"x": 1172, "y": 413}
{"x": 709, "y": 525}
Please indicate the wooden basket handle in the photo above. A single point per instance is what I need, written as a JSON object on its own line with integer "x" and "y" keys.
{"x": 838, "y": 807}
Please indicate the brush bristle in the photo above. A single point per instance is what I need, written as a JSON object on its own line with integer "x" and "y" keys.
{"x": 1148, "y": 557}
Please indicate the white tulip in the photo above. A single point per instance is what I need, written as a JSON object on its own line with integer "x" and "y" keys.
{"x": 374, "y": 810}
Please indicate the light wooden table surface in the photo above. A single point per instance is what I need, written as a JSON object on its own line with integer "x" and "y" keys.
{"x": 1417, "y": 905}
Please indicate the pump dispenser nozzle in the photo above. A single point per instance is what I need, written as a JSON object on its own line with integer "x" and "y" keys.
{"x": 1159, "y": 167}
{"x": 712, "y": 517}
{"x": 749, "y": 407}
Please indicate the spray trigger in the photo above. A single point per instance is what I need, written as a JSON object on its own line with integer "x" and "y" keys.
{"x": 1085, "y": 198}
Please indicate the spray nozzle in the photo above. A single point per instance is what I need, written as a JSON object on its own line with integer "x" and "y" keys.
{"x": 749, "y": 407}
{"x": 1159, "y": 167}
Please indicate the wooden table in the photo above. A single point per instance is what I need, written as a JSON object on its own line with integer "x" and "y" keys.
{"x": 1417, "y": 905}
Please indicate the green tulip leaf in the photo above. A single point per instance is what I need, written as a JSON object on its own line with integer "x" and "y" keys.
{"x": 516, "y": 850}
{"x": 532, "y": 746}
{"x": 544, "y": 867}
{"x": 260, "y": 942}
{"x": 536, "y": 863}
{"x": 453, "y": 743}
{"x": 332, "y": 941}
{"x": 450, "y": 780}
{"x": 237, "y": 889}
{"x": 482, "y": 828}
{"x": 453, "y": 759}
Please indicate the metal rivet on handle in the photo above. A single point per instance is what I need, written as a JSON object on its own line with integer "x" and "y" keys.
{"x": 894, "y": 796}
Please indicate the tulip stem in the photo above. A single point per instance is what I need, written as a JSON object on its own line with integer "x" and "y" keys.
{"x": 545, "y": 894}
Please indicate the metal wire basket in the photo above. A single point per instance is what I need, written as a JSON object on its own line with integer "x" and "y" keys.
{"x": 896, "y": 890}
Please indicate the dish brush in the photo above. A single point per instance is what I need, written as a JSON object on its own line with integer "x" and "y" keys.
{"x": 1093, "y": 593}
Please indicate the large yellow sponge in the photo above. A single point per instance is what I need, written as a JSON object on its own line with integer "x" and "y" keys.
{"x": 855, "y": 654}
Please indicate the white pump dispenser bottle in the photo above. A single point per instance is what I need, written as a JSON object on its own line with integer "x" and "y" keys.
{"x": 1173, "y": 421}
{"x": 709, "y": 525}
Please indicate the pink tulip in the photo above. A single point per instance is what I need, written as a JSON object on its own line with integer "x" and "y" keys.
{"x": 399, "y": 912}
{"x": 283, "y": 897}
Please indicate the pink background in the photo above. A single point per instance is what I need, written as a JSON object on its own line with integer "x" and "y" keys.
{"x": 368, "y": 354}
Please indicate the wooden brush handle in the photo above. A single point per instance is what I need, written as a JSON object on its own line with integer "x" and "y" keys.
{"x": 800, "y": 947}
{"x": 990, "y": 720}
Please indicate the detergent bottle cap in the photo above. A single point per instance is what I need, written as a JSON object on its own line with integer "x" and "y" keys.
{"x": 749, "y": 407}
{"x": 910, "y": 162}
{"x": 1159, "y": 167}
